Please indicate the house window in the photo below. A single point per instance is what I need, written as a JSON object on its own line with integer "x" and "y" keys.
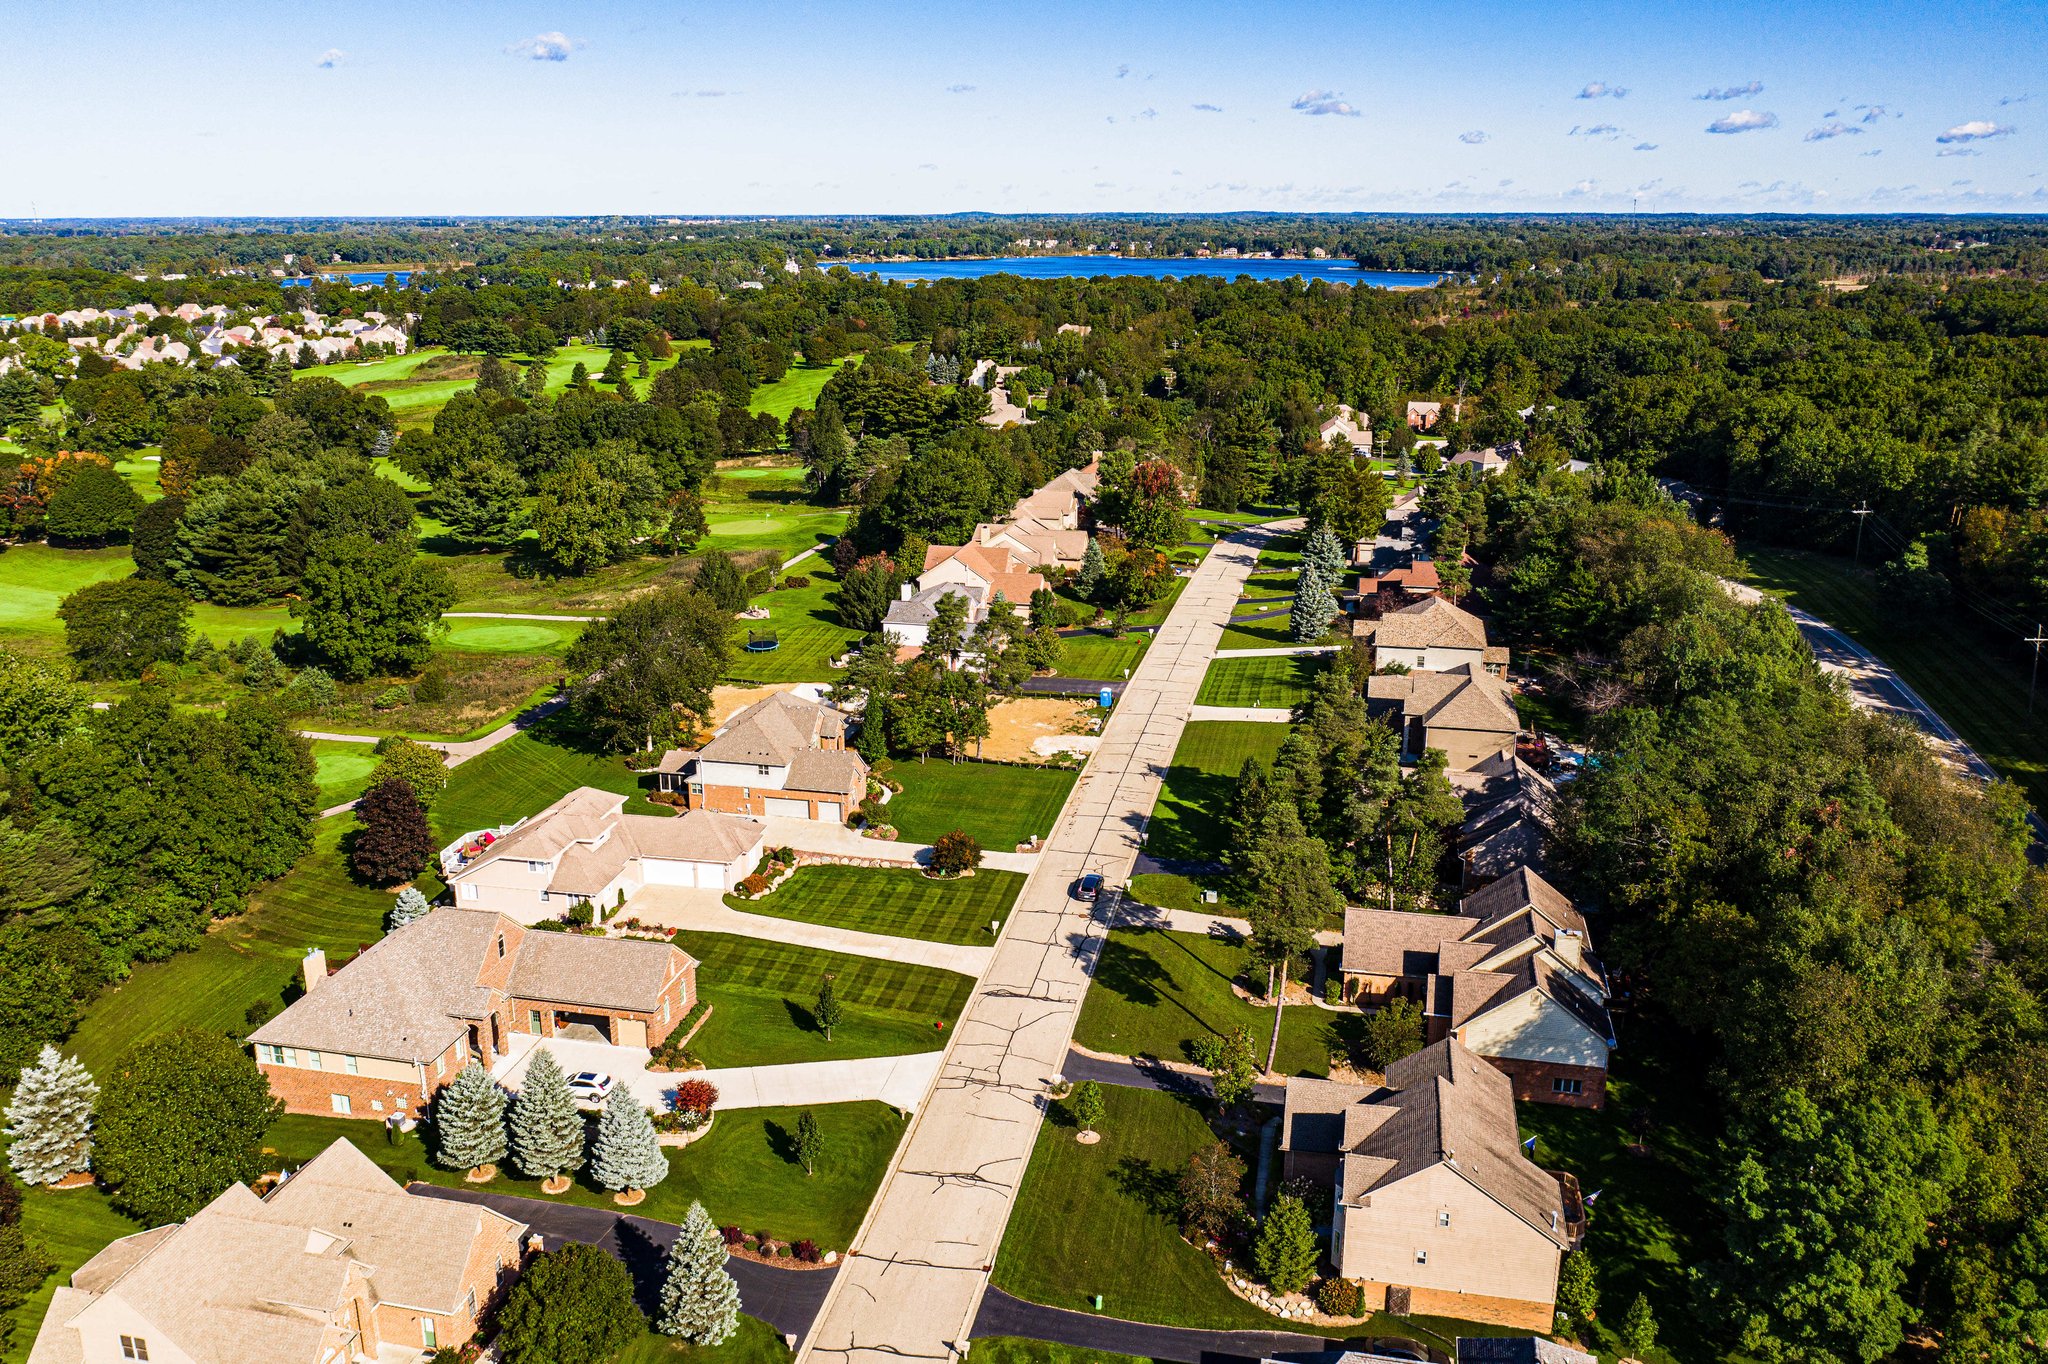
{"x": 761, "y": 770}
{"x": 1422, "y": 1257}
{"x": 468, "y": 891}
{"x": 696, "y": 788}
{"x": 134, "y": 1347}
{"x": 440, "y": 1066}
{"x": 501, "y": 944}
{"x": 1443, "y": 1219}
{"x": 339, "y": 1103}
{"x": 427, "y": 1337}
{"x": 269, "y": 1055}
{"x": 288, "y": 1056}
{"x": 533, "y": 1021}
{"x": 1567, "y": 1086}
{"x": 664, "y": 1011}
{"x": 348, "y": 1063}
{"x": 469, "y": 1304}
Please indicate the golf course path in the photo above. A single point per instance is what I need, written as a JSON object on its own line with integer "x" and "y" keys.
{"x": 914, "y": 1281}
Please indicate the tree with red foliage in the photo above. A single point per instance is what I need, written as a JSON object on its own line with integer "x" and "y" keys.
{"x": 392, "y": 841}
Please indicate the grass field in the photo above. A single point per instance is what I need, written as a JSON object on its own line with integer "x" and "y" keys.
{"x": 1986, "y": 699}
{"x": 806, "y": 622}
{"x": 783, "y": 524}
{"x": 1018, "y": 1350}
{"x": 511, "y": 636}
{"x": 744, "y": 1170}
{"x": 1270, "y": 683}
{"x": 342, "y": 770}
{"x": 73, "y": 1226}
{"x": 1100, "y": 1219}
{"x": 1155, "y": 992}
{"x": 34, "y": 578}
{"x": 798, "y": 387}
{"x": 755, "y": 1342}
{"x": 1272, "y": 633}
{"x": 524, "y": 775}
{"x": 1188, "y": 820}
{"x": 901, "y": 904}
{"x": 1001, "y": 806}
{"x": 762, "y": 994}
{"x": 1101, "y": 658}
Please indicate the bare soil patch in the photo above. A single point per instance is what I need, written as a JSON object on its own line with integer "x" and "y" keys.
{"x": 1014, "y": 724}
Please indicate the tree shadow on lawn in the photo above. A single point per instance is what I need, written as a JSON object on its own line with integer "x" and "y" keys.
{"x": 1195, "y": 831}
{"x": 781, "y": 1141}
{"x": 645, "y": 1258}
{"x": 1130, "y": 974}
{"x": 802, "y": 1017}
{"x": 1154, "y": 1187}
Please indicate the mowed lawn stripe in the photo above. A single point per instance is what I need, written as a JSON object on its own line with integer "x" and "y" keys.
{"x": 1000, "y": 805}
{"x": 1194, "y": 801}
{"x": 1271, "y": 683}
{"x": 900, "y": 904}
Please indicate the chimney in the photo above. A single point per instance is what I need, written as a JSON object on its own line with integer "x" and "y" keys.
{"x": 1570, "y": 947}
{"x": 907, "y": 589}
{"x": 314, "y": 969}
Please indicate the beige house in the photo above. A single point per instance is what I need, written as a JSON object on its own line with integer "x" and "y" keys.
{"x": 1351, "y": 426}
{"x": 1464, "y": 712}
{"x": 379, "y": 1037}
{"x": 585, "y": 849}
{"x": 1431, "y": 635}
{"x": 977, "y": 574}
{"x": 783, "y": 756}
{"x": 1512, "y": 976}
{"x": 1437, "y": 1210}
{"x": 338, "y": 1263}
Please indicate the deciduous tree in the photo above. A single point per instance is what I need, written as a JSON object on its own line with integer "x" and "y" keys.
{"x": 392, "y": 842}
{"x": 118, "y": 628}
{"x": 181, "y": 1117}
{"x": 570, "y": 1306}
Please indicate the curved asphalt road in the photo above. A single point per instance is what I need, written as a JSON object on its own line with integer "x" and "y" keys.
{"x": 1003, "y": 1315}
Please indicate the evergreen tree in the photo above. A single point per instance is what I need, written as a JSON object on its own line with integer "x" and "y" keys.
{"x": 1638, "y": 1327}
{"x": 829, "y": 1012}
{"x": 545, "y": 1127}
{"x": 810, "y": 1142}
{"x": 50, "y": 1119}
{"x": 1286, "y": 1250}
{"x": 700, "y": 1303}
{"x": 614, "y": 369}
{"x": 1094, "y": 569}
{"x": 410, "y": 906}
{"x": 1087, "y": 1105}
{"x": 469, "y": 1121}
{"x": 393, "y": 842}
{"x": 1325, "y": 553}
{"x": 1313, "y": 606}
{"x": 720, "y": 579}
{"x": 627, "y": 1154}
{"x": 481, "y": 500}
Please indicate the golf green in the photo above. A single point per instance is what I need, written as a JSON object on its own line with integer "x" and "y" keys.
{"x": 508, "y": 636}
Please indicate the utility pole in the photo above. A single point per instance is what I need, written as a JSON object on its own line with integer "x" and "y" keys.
{"x": 2037, "y": 639}
{"x": 1859, "y": 511}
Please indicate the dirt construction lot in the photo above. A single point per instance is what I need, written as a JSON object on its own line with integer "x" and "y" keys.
{"x": 1014, "y": 725}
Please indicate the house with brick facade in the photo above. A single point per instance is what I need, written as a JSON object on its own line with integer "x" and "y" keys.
{"x": 1464, "y": 712}
{"x": 337, "y": 1263}
{"x": 380, "y": 1036}
{"x": 584, "y": 849}
{"x": 782, "y": 756}
{"x": 1512, "y": 976}
{"x": 1437, "y": 1211}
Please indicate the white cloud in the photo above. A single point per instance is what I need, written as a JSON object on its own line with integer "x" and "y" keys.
{"x": 1743, "y": 121}
{"x": 1207, "y": 108}
{"x": 1473, "y": 138}
{"x": 330, "y": 59}
{"x": 958, "y": 89}
{"x": 1732, "y": 91}
{"x": 1976, "y": 130}
{"x": 1832, "y": 130}
{"x": 1873, "y": 113}
{"x": 1646, "y": 146}
{"x": 1959, "y": 151}
{"x": 1319, "y": 102}
{"x": 553, "y": 46}
{"x": 1602, "y": 90}
{"x": 1583, "y": 188}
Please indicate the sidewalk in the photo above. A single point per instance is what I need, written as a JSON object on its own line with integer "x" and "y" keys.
{"x": 899, "y": 1081}
{"x": 826, "y": 836}
{"x": 1266, "y": 714}
{"x": 706, "y": 911}
{"x": 1279, "y": 651}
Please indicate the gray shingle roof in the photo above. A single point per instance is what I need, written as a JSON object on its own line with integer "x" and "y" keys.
{"x": 609, "y": 973}
{"x": 773, "y": 730}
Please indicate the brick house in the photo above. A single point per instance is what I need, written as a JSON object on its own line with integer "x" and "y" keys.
{"x": 380, "y": 1036}
{"x": 1437, "y": 1210}
{"x": 336, "y": 1263}
{"x": 1512, "y": 976}
{"x": 781, "y": 756}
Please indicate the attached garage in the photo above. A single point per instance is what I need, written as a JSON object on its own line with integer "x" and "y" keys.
{"x": 702, "y": 849}
{"x": 831, "y": 810}
{"x": 785, "y": 808}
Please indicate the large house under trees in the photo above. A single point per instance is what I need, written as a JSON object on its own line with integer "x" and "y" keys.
{"x": 381, "y": 1035}
{"x": 1432, "y": 634}
{"x": 977, "y": 574}
{"x": 1437, "y": 1210}
{"x": 336, "y": 1263}
{"x": 1512, "y": 976}
{"x": 782, "y": 756}
{"x": 1047, "y": 526}
{"x": 1465, "y": 713}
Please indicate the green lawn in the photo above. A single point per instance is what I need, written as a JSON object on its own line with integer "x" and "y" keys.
{"x": 1100, "y": 1219}
{"x": 783, "y": 524}
{"x": 1155, "y": 992}
{"x": 755, "y": 1342}
{"x": 511, "y": 636}
{"x": 343, "y": 770}
{"x": 806, "y": 622}
{"x": 1018, "y": 1350}
{"x": 798, "y": 387}
{"x": 744, "y": 1170}
{"x": 1985, "y": 698}
{"x": 34, "y": 578}
{"x": 1188, "y": 821}
{"x": 523, "y": 776}
{"x": 1100, "y": 658}
{"x": 762, "y": 994}
{"x": 73, "y": 1226}
{"x": 1271, "y": 683}
{"x": 1000, "y": 805}
{"x": 901, "y": 904}
{"x": 1171, "y": 891}
{"x": 242, "y": 961}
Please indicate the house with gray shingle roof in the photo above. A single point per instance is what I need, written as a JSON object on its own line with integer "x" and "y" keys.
{"x": 1433, "y": 634}
{"x": 380, "y": 1036}
{"x": 782, "y": 756}
{"x": 337, "y": 1263}
{"x": 1437, "y": 1209}
{"x": 1464, "y": 712}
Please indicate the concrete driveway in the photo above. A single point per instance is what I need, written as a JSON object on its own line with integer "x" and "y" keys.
{"x": 899, "y": 1081}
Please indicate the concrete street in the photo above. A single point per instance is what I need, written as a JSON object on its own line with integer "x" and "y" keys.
{"x": 914, "y": 1283}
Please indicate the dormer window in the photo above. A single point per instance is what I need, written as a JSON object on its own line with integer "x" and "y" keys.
{"x": 762, "y": 769}
{"x": 134, "y": 1347}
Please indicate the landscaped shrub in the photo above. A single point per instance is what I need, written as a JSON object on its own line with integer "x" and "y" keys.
{"x": 797, "y": 580}
{"x": 432, "y": 687}
{"x": 751, "y": 885}
{"x": 807, "y": 1251}
{"x": 1339, "y": 1298}
{"x": 391, "y": 698}
{"x": 955, "y": 853}
{"x": 674, "y": 798}
{"x": 694, "y": 1100}
{"x": 733, "y": 1235}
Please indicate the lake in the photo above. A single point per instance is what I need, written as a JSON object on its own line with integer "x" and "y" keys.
{"x": 352, "y": 276}
{"x": 1153, "y": 267}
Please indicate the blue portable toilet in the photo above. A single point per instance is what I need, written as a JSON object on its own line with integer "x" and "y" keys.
{"x": 1105, "y": 699}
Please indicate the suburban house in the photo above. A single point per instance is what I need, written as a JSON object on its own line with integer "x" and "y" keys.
{"x": 978, "y": 574}
{"x": 585, "y": 849}
{"x": 1465, "y": 712}
{"x": 1511, "y": 975}
{"x": 336, "y": 1263}
{"x": 1381, "y": 593}
{"x": 381, "y": 1035}
{"x": 1518, "y": 1350}
{"x": 782, "y": 756}
{"x": 1491, "y": 460}
{"x": 1507, "y": 819}
{"x": 1045, "y": 529}
{"x": 1350, "y": 426}
{"x": 1437, "y": 1210}
{"x": 1432, "y": 635}
{"x": 1423, "y": 416}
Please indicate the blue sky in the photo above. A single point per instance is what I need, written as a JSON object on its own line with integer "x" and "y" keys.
{"x": 474, "y": 106}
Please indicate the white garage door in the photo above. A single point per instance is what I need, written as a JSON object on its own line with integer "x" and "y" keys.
{"x": 829, "y": 809}
{"x": 789, "y": 809}
{"x": 663, "y": 871}
{"x": 710, "y": 875}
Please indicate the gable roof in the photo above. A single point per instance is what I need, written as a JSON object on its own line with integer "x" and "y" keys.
{"x": 1518, "y": 1350}
{"x": 617, "y": 973}
{"x": 1465, "y": 697}
{"x": 1521, "y": 889}
{"x": 1432, "y": 623}
{"x": 774, "y": 730}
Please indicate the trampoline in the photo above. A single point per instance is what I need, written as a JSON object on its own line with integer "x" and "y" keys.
{"x": 762, "y": 642}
